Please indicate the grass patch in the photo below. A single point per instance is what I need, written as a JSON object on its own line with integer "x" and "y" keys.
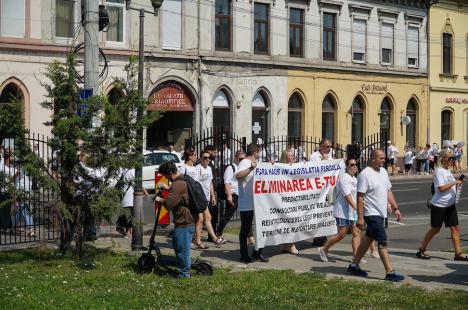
{"x": 31, "y": 279}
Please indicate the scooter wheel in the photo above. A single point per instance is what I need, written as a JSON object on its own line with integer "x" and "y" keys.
{"x": 146, "y": 262}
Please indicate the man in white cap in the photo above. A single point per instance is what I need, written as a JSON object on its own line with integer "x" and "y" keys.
{"x": 392, "y": 153}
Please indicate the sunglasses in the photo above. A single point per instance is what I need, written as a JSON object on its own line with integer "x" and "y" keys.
{"x": 353, "y": 165}
{"x": 206, "y": 157}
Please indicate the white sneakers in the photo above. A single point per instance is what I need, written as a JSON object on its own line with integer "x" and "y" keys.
{"x": 323, "y": 255}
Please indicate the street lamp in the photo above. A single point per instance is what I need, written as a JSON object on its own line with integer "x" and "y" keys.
{"x": 137, "y": 235}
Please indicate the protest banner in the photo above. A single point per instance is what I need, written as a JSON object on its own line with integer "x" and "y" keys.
{"x": 291, "y": 201}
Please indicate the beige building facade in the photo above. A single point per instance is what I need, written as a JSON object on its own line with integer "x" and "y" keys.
{"x": 361, "y": 105}
{"x": 448, "y": 60}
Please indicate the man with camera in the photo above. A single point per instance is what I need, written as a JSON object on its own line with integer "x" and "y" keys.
{"x": 443, "y": 208}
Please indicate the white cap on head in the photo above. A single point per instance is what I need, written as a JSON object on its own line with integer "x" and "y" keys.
{"x": 389, "y": 142}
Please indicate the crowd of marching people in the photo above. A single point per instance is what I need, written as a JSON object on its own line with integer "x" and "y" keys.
{"x": 362, "y": 200}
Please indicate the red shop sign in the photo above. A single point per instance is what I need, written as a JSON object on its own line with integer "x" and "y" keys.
{"x": 170, "y": 96}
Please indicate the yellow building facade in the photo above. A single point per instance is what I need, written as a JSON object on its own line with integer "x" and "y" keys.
{"x": 380, "y": 99}
{"x": 448, "y": 72}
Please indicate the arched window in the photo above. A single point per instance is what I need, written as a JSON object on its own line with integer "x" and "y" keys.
{"x": 357, "y": 126}
{"x": 259, "y": 117}
{"x": 385, "y": 119}
{"x": 295, "y": 112}
{"x": 328, "y": 118}
{"x": 446, "y": 125}
{"x": 221, "y": 110}
{"x": 411, "y": 127}
{"x": 10, "y": 93}
{"x": 114, "y": 96}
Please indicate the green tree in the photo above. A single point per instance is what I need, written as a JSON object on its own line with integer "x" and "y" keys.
{"x": 94, "y": 142}
{"x": 92, "y": 146}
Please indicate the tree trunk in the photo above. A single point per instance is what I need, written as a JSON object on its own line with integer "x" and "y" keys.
{"x": 79, "y": 234}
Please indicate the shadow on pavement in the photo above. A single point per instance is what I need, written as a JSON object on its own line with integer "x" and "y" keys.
{"x": 336, "y": 270}
{"x": 459, "y": 276}
{"x": 413, "y": 255}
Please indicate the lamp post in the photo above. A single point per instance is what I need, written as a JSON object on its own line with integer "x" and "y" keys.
{"x": 137, "y": 235}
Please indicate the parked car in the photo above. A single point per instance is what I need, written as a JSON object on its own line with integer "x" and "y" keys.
{"x": 151, "y": 163}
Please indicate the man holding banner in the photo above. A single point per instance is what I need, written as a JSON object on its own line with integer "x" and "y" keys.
{"x": 374, "y": 195}
{"x": 291, "y": 201}
{"x": 245, "y": 176}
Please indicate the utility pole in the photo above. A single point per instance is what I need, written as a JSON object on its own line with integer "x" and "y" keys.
{"x": 91, "y": 40}
{"x": 137, "y": 229}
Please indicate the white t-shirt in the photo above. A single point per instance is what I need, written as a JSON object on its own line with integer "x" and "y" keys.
{"x": 392, "y": 151}
{"x": 375, "y": 186}
{"x": 192, "y": 171}
{"x": 409, "y": 158}
{"x": 316, "y": 156}
{"x": 229, "y": 178}
{"x": 346, "y": 185}
{"x": 205, "y": 179}
{"x": 129, "y": 176}
{"x": 246, "y": 187}
{"x": 443, "y": 199}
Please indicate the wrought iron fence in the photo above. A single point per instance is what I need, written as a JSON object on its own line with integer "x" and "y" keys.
{"x": 226, "y": 143}
{"x": 26, "y": 207}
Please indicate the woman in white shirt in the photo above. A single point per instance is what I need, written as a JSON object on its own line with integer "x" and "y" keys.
{"x": 443, "y": 210}
{"x": 344, "y": 210}
{"x": 205, "y": 178}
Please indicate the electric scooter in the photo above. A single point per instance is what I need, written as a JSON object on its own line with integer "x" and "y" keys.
{"x": 148, "y": 262}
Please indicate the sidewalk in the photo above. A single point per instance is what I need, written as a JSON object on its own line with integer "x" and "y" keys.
{"x": 437, "y": 273}
{"x": 414, "y": 176}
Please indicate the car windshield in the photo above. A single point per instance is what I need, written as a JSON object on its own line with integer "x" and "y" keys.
{"x": 156, "y": 159}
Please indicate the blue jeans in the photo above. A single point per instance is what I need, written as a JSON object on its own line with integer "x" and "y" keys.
{"x": 23, "y": 211}
{"x": 181, "y": 239}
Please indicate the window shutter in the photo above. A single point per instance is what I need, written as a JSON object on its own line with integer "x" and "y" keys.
{"x": 12, "y": 18}
{"x": 413, "y": 42}
{"x": 171, "y": 24}
{"x": 386, "y": 36}
{"x": 359, "y": 35}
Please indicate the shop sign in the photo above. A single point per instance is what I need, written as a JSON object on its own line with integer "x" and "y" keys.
{"x": 456, "y": 100}
{"x": 374, "y": 88}
{"x": 170, "y": 96}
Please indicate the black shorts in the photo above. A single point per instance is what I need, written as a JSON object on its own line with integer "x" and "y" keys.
{"x": 376, "y": 228}
{"x": 447, "y": 215}
{"x": 391, "y": 161}
{"x": 408, "y": 167}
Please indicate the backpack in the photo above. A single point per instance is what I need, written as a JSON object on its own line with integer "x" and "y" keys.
{"x": 221, "y": 188}
{"x": 431, "y": 193}
{"x": 197, "y": 199}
